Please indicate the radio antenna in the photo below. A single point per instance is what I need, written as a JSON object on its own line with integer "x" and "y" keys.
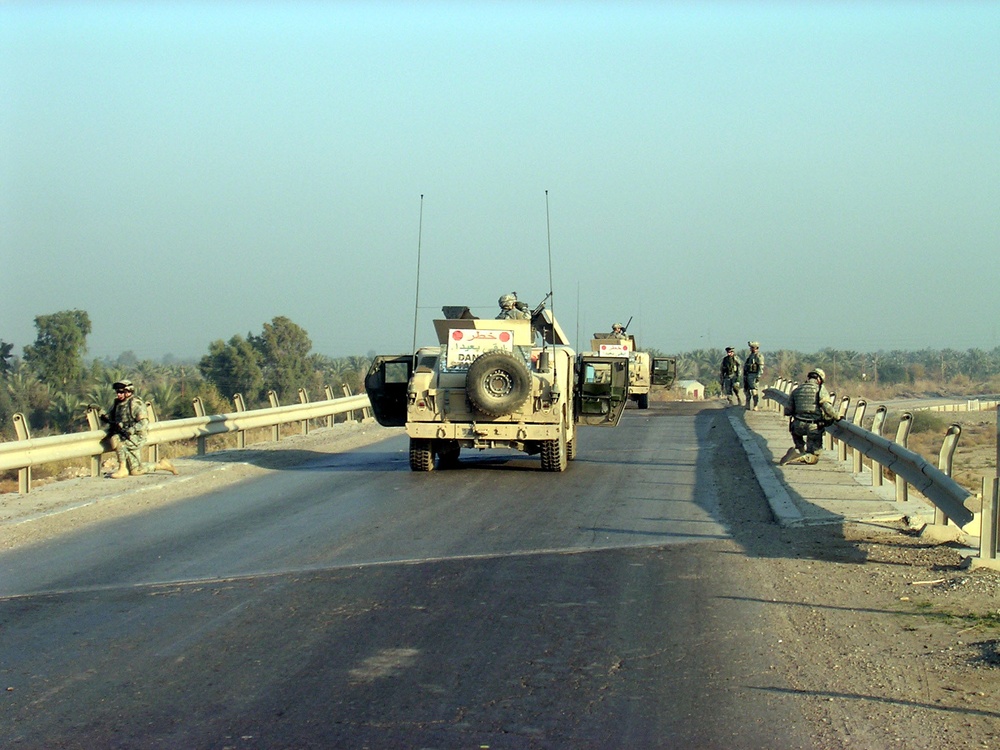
{"x": 416, "y": 301}
{"x": 548, "y": 238}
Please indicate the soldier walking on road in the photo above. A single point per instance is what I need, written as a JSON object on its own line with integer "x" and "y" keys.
{"x": 811, "y": 410}
{"x": 753, "y": 371}
{"x": 729, "y": 376}
{"x": 128, "y": 424}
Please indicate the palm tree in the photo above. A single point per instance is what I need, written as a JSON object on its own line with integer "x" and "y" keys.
{"x": 67, "y": 411}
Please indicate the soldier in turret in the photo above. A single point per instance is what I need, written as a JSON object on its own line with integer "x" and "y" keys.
{"x": 512, "y": 309}
{"x": 810, "y": 407}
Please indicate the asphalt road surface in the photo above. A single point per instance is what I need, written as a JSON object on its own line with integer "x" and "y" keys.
{"x": 352, "y": 603}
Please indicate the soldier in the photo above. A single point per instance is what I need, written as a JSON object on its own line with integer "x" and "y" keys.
{"x": 512, "y": 309}
{"x": 753, "y": 371}
{"x": 729, "y": 376}
{"x": 618, "y": 331}
{"x": 127, "y": 427}
{"x": 811, "y": 410}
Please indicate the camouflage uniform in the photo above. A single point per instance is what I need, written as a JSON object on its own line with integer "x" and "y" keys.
{"x": 128, "y": 429}
{"x": 618, "y": 331}
{"x": 753, "y": 371}
{"x": 729, "y": 376}
{"x": 811, "y": 410}
{"x": 511, "y": 309}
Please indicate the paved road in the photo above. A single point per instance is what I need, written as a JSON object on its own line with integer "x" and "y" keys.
{"x": 352, "y": 603}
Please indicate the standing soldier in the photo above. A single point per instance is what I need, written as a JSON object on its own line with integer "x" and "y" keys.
{"x": 127, "y": 428}
{"x": 811, "y": 410}
{"x": 618, "y": 331}
{"x": 753, "y": 371}
{"x": 729, "y": 376}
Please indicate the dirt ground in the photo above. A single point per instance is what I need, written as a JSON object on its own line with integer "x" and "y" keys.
{"x": 891, "y": 642}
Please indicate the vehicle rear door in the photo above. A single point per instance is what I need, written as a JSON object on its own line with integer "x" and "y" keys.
{"x": 664, "y": 371}
{"x": 386, "y": 384}
{"x": 601, "y": 390}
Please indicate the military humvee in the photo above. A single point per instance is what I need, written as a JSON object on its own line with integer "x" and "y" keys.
{"x": 496, "y": 384}
{"x": 645, "y": 373}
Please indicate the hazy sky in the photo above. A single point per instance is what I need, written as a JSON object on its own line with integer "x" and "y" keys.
{"x": 806, "y": 174}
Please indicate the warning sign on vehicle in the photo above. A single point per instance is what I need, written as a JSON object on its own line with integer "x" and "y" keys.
{"x": 613, "y": 350}
{"x": 466, "y": 344}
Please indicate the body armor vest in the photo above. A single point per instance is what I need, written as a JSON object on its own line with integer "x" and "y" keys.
{"x": 805, "y": 400}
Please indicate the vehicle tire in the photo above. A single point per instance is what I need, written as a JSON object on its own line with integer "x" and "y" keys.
{"x": 642, "y": 401}
{"x": 497, "y": 383}
{"x": 554, "y": 453}
{"x": 571, "y": 449}
{"x": 421, "y": 454}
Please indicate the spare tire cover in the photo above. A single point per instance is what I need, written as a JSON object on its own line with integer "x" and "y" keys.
{"x": 497, "y": 383}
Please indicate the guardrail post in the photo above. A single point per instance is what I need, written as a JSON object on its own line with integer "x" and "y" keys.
{"x": 241, "y": 406}
{"x": 272, "y": 398}
{"x": 877, "y": 421}
{"x": 199, "y": 411}
{"x": 350, "y": 416}
{"x": 857, "y": 461}
{"x": 23, "y": 433}
{"x": 902, "y": 437}
{"x": 945, "y": 463}
{"x": 845, "y": 403}
{"x": 304, "y": 399}
{"x": 328, "y": 392}
{"x": 990, "y": 516}
{"x": 94, "y": 423}
{"x": 152, "y": 451}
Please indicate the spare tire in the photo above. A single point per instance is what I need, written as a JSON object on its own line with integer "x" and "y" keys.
{"x": 497, "y": 383}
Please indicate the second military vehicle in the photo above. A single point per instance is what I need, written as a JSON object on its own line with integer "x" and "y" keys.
{"x": 496, "y": 384}
{"x": 645, "y": 373}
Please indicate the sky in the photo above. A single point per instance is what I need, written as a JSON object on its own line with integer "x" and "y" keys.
{"x": 805, "y": 174}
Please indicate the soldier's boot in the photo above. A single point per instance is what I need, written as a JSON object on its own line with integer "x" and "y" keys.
{"x": 810, "y": 458}
{"x": 790, "y": 455}
{"x": 165, "y": 464}
{"x": 138, "y": 471}
{"x": 120, "y": 473}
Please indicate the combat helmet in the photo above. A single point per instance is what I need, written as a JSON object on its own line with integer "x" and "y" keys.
{"x": 123, "y": 385}
{"x": 507, "y": 299}
{"x": 819, "y": 373}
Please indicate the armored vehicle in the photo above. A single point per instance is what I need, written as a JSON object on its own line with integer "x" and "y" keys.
{"x": 645, "y": 373}
{"x": 496, "y": 384}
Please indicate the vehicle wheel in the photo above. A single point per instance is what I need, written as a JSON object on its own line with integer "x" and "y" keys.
{"x": 571, "y": 449}
{"x": 554, "y": 453}
{"x": 497, "y": 383}
{"x": 421, "y": 454}
{"x": 643, "y": 401}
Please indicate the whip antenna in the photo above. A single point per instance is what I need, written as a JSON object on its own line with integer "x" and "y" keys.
{"x": 548, "y": 239}
{"x": 416, "y": 301}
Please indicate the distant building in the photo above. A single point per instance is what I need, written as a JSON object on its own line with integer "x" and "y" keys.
{"x": 691, "y": 389}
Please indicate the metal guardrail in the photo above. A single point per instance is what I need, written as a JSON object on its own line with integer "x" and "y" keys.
{"x": 27, "y": 452}
{"x": 943, "y": 491}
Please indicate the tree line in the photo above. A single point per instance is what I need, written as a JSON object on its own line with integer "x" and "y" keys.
{"x": 54, "y": 382}
{"x": 970, "y": 371}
